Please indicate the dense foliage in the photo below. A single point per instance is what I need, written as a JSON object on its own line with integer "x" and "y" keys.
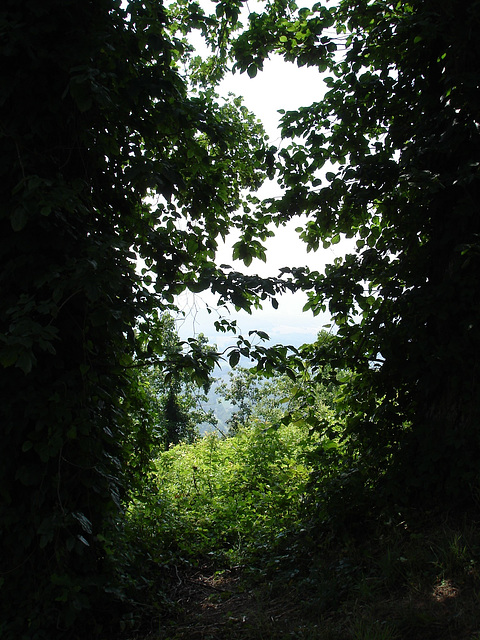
{"x": 162, "y": 408}
{"x": 227, "y": 495}
{"x": 278, "y": 398}
{"x": 121, "y": 169}
{"x": 389, "y": 156}
{"x": 96, "y": 116}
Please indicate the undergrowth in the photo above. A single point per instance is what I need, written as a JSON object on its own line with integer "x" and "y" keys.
{"x": 228, "y": 498}
{"x": 231, "y": 548}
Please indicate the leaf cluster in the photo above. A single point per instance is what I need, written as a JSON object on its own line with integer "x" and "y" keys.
{"x": 108, "y": 160}
{"x": 232, "y": 496}
{"x": 388, "y": 157}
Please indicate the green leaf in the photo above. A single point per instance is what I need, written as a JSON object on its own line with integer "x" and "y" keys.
{"x": 27, "y": 445}
{"x": 25, "y": 361}
{"x": 233, "y": 358}
{"x": 19, "y": 219}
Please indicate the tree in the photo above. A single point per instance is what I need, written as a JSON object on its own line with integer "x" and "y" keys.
{"x": 115, "y": 151}
{"x": 178, "y": 427}
{"x": 96, "y": 117}
{"x": 163, "y": 408}
{"x": 243, "y": 392}
{"x": 389, "y": 156}
{"x": 309, "y": 397}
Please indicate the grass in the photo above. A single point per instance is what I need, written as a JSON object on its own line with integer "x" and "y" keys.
{"x": 419, "y": 583}
{"x": 229, "y": 554}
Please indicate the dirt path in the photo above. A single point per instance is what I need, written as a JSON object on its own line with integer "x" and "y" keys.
{"x": 218, "y": 606}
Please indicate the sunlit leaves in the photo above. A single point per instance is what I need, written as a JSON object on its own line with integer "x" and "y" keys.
{"x": 238, "y": 493}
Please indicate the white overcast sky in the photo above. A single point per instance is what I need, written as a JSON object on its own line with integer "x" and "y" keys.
{"x": 281, "y": 85}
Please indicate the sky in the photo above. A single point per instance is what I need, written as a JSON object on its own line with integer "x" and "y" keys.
{"x": 281, "y": 85}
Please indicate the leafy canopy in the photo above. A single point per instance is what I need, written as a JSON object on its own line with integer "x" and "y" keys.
{"x": 109, "y": 158}
{"x": 389, "y": 157}
{"x": 114, "y": 148}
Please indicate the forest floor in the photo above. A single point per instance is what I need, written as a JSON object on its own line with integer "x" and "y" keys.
{"x": 426, "y": 587}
